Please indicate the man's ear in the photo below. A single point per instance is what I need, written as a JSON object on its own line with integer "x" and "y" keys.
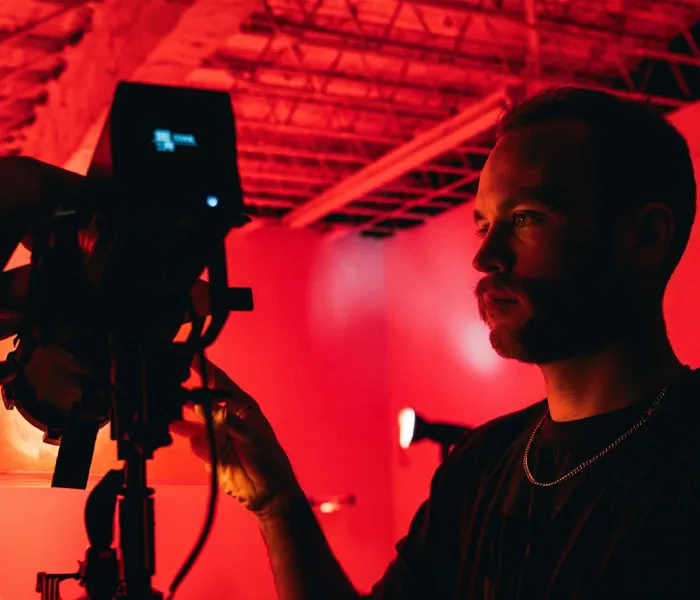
{"x": 648, "y": 235}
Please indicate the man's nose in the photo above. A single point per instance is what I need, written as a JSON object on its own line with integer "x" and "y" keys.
{"x": 494, "y": 255}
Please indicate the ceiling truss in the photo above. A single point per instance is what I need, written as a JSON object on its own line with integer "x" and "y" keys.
{"x": 322, "y": 115}
{"x": 325, "y": 90}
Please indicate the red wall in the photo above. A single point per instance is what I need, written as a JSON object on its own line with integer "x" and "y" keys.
{"x": 313, "y": 354}
{"x": 440, "y": 361}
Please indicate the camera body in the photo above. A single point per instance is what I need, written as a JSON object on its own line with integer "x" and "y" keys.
{"x": 114, "y": 270}
{"x": 167, "y": 190}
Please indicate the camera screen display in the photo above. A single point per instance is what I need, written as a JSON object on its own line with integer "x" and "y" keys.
{"x": 166, "y": 141}
{"x": 167, "y": 147}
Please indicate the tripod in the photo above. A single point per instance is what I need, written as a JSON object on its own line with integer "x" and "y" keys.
{"x": 140, "y": 426}
{"x": 148, "y": 396}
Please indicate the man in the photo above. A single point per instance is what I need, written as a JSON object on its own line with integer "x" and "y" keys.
{"x": 584, "y": 208}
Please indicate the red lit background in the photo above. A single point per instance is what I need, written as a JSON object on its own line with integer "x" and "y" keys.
{"x": 356, "y": 316}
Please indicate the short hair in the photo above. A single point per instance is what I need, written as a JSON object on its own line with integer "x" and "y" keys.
{"x": 638, "y": 155}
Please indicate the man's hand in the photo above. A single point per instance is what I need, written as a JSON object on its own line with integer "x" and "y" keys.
{"x": 253, "y": 467}
{"x": 30, "y": 191}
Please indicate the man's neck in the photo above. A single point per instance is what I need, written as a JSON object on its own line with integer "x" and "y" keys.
{"x": 614, "y": 378}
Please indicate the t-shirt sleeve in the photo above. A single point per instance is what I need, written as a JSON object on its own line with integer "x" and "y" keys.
{"x": 426, "y": 564}
{"x": 408, "y": 575}
{"x": 412, "y": 574}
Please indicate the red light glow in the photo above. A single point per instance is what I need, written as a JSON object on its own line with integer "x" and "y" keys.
{"x": 407, "y": 426}
{"x": 329, "y": 507}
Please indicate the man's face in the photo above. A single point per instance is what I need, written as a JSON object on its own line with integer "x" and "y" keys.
{"x": 551, "y": 289}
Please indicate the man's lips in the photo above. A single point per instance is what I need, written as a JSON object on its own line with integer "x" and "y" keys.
{"x": 499, "y": 297}
{"x": 497, "y": 305}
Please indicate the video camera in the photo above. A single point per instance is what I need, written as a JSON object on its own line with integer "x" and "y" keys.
{"x": 115, "y": 272}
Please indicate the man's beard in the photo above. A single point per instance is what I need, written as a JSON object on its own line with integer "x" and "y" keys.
{"x": 574, "y": 317}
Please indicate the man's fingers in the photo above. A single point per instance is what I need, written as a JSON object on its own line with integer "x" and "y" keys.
{"x": 217, "y": 411}
{"x": 236, "y": 427}
{"x": 224, "y": 422}
{"x": 31, "y": 190}
{"x": 225, "y": 448}
{"x": 225, "y": 432}
{"x": 240, "y": 404}
{"x": 29, "y": 185}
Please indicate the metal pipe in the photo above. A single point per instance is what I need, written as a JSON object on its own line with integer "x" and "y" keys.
{"x": 334, "y": 134}
{"x": 246, "y": 149}
{"x": 468, "y": 124}
{"x": 314, "y": 97}
{"x": 418, "y": 202}
{"x": 533, "y": 40}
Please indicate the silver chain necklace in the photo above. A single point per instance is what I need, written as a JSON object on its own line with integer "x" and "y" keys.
{"x": 604, "y": 451}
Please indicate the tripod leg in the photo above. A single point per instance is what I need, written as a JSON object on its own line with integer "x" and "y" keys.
{"x": 137, "y": 529}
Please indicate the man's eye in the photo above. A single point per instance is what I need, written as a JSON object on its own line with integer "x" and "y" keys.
{"x": 520, "y": 219}
{"x": 523, "y": 218}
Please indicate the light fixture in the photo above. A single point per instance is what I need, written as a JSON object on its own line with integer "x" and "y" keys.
{"x": 414, "y": 428}
{"x": 333, "y": 504}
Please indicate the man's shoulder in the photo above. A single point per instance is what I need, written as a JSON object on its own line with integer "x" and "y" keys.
{"x": 497, "y": 435}
{"x": 509, "y": 424}
{"x": 513, "y": 420}
{"x": 483, "y": 447}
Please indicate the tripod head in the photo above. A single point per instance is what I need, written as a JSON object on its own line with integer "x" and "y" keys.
{"x": 114, "y": 274}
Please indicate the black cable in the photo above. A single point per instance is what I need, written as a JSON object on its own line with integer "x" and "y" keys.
{"x": 214, "y": 482}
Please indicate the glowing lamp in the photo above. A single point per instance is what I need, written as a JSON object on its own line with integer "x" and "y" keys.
{"x": 407, "y": 427}
{"x": 332, "y": 505}
{"x": 414, "y": 428}
{"x": 329, "y": 507}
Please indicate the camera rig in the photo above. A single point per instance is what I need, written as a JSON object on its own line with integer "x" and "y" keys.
{"x": 115, "y": 272}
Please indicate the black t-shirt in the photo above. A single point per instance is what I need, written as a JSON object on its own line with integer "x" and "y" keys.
{"x": 627, "y": 526}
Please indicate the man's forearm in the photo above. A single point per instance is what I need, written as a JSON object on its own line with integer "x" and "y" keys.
{"x": 302, "y": 562}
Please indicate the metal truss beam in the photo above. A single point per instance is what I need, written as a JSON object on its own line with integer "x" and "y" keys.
{"x": 622, "y": 42}
{"x": 339, "y": 34}
{"x": 468, "y": 124}
{"x": 406, "y": 206}
{"x": 285, "y": 151}
{"x": 545, "y": 24}
{"x": 330, "y": 133}
{"x": 396, "y": 192}
{"x": 249, "y": 72}
{"x": 292, "y": 94}
{"x": 310, "y": 86}
{"x": 288, "y": 204}
{"x": 247, "y": 152}
{"x": 248, "y": 172}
